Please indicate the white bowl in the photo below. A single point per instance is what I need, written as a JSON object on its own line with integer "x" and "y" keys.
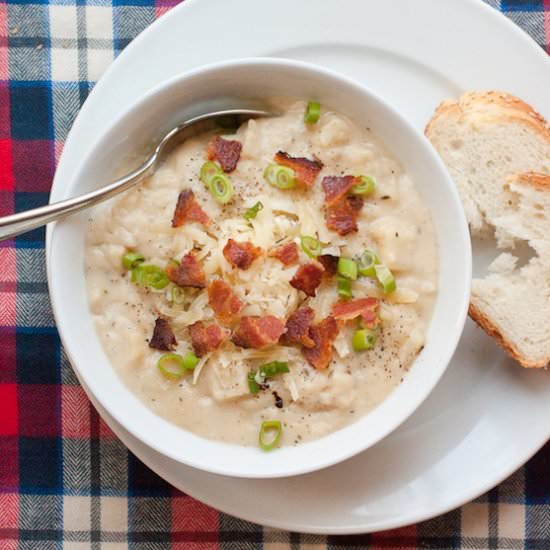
{"x": 229, "y": 84}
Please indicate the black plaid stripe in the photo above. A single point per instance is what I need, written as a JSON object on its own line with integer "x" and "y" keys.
{"x": 441, "y": 532}
{"x": 148, "y": 519}
{"x": 68, "y": 376}
{"x": 532, "y": 23}
{"x": 66, "y": 100}
{"x": 77, "y": 473}
{"x": 237, "y": 533}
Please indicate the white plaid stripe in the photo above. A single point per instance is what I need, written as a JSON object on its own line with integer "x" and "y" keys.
{"x": 64, "y": 64}
{"x": 99, "y": 22}
{"x": 76, "y": 513}
{"x": 114, "y": 514}
{"x": 63, "y": 22}
{"x": 98, "y": 62}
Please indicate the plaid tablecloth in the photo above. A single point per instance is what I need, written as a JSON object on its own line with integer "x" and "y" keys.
{"x": 65, "y": 479}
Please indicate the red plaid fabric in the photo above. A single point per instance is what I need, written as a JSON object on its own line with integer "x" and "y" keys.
{"x": 65, "y": 479}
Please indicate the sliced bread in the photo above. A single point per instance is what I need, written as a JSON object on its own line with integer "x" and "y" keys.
{"x": 497, "y": 150}
{"x": 513, "y": 306}
{"x": 527, "y": 212}
{"x": 484, "y": 138}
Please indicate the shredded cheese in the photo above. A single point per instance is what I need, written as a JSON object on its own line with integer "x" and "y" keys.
{"x": 199, "y": 367}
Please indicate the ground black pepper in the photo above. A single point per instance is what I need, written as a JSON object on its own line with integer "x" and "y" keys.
{"x": 278, "y": 400}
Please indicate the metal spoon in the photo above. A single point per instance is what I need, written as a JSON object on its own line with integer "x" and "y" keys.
{"x": 13, "y": 225}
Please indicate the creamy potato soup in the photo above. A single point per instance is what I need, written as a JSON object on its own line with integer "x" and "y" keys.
{"x": 269, "y": 285}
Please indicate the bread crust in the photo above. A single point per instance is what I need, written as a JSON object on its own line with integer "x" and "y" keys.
{"x": 490, "y": 105}
{"x": 448, "y": 108}
{"x": 492, "y": 330}
{"x": 536, "y": 180}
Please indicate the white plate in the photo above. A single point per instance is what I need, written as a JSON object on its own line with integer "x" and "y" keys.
{"x": 487, "y": 416}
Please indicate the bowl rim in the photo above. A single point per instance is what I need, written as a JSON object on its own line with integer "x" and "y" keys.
{"x": 340, "y": 455}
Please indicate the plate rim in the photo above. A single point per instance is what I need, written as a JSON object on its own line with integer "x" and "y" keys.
{"x": 330, "y": 530}
{"x": 174, "y": 12}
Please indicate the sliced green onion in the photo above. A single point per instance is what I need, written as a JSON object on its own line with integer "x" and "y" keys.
{"x": 221, "y": 188}
{"x": 363, "y": 339}
{"x": 347, "y": 268}
{"x": 132, "y": 259}
{"x": 281, "y": 177}
{"x": 260, "y": 378}
{"x": 252, "y": 212}
{"x": 190, "y": 361}
{"x": 366, "y": 263}
{"x": 344, "y": 287}
{"x": 273, "y": 368}
{"x": 366, "y": 186}
{"x": 257, "y": 378}
{"x": 208, "y": 170}
{"x": 174, "y": 366}
{"x": 385, "y": 278}
{"x": 313, "y": 111}
{"x": 270, "y": 434}
{"x": 253, "y": 386}
{"x": 150, "y": 276}
{"x": 177, "y": 295}
{"x": 311, "y": 246}
{"x": 171, "y": 365}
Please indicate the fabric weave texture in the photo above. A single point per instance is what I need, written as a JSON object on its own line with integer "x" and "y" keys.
{"x": 66, "y": 481}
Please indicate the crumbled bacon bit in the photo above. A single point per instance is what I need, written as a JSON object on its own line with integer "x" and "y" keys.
{"x": 308, "y": 278}
{"x": 336, "y": 187}
{"x": 287, "y": 253}
{"x": 187, "y": 273}
{"x": 241, "y": 255}
{"x": 330, "y": 263}
{"x": 188, "y": 210}
{"x": 323, "y": 335}
{"x": 355, "y": 202}
{"x": 223, "y": 301}
{"x": 297, "y": 328}
{"x": 258, "y": 332}
{"x": 207, "y": 338}
{"x": 370, "y": 318}
{"x": 163, "y": 337}
{"x": 341, "y": 217}
{"x": 367, "y": 308}
{"x": 226, "y": 152}
{"x": 341, "y": 210}
{"x": 306, "y": 170}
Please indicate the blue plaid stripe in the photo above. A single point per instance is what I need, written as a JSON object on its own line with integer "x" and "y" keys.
{"x": 522, "y": 5}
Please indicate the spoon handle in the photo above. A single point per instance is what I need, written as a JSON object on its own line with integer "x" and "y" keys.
{"x": 15, "y": 224}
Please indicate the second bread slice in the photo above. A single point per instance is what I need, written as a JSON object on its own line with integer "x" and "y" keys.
{"x": 513, "y": 306}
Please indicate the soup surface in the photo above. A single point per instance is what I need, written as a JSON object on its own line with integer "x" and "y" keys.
{"x": 230, "y": 309}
